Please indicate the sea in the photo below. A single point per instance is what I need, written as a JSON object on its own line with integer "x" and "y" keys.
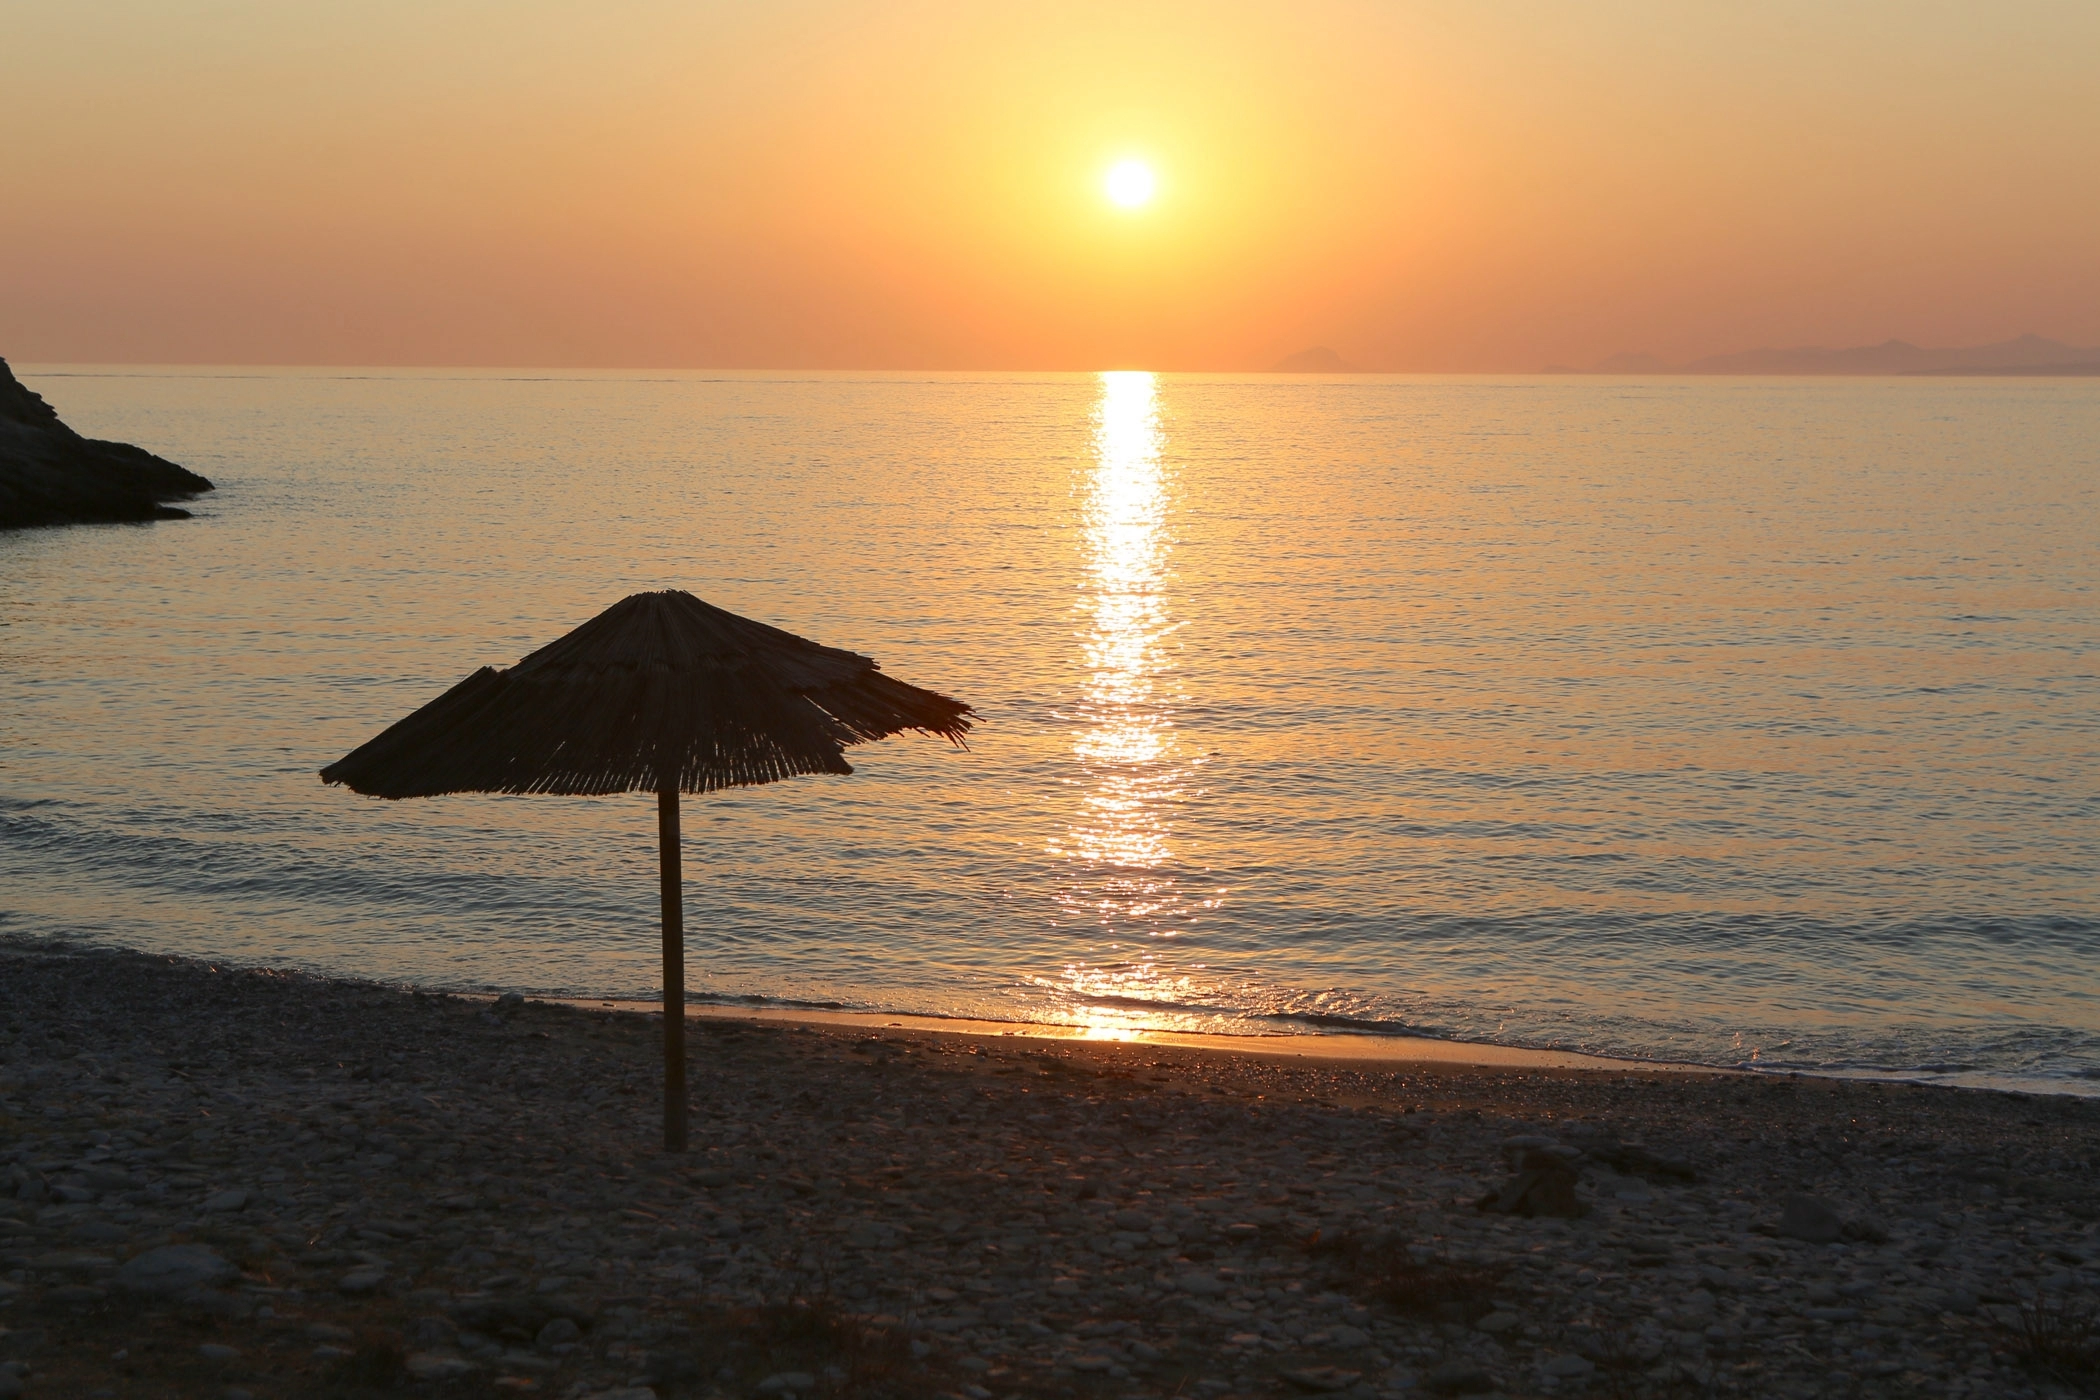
{"x": 1743, "y": 722}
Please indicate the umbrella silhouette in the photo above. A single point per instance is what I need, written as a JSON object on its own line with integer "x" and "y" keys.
{"x": 659, "y": 693}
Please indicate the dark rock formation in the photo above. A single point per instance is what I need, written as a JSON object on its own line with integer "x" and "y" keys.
{"x": 51, "y": 475}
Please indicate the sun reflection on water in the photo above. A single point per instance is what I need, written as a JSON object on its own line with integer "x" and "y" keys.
{"x": 1125, "y": 742}
{"x": 1131, "y": 768}
{"x": 1126, "y": 739}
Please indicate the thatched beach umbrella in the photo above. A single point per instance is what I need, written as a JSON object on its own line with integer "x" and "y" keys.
{"x": 659, "y": 693}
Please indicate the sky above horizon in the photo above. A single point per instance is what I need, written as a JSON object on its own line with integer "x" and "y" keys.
{"x": 914, "y": 185}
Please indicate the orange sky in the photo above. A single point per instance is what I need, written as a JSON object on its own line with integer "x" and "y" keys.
{"x": 1490, "y": 185}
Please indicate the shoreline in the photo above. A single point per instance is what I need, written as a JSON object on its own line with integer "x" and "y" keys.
{"x": 1341, "y": 1046}
{"x": 215, "y": 1181}
{"x": 1369, "y": 1046}
{"x": 1323, "y": 1044}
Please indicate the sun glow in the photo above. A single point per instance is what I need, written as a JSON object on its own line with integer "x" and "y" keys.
{"x": 1130, "y": 184}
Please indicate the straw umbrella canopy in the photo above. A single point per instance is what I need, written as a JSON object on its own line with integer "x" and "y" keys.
{"x": 659, "y": 693}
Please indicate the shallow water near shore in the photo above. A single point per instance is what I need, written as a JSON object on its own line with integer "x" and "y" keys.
{"x": 1724, "y": 721}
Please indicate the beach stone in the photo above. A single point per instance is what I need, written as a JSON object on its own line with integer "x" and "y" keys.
{"x": 234, "y": 1199}
{"x": 1500, "y": 1320}
{"x": 1201, "y": 1285}
{"x": 219, "y": 1351}
{"x": 514, "y": 1360}
{"x": 1809, "y": 1219}
{"x": 1517, "y": 1148}
{"x": 623, "y": 1392}
{"x": 360, "y": 1281}
{"x": 508, "y": 1003}
{"x": 431, "y": 1333}
{"x": 674, "y": 1368}
{"x": 1632, "y": 1159}
{"x": 175, "y": 1268}
{"x": 99, "y": 1232}
{"x": 1323, "y": 1378}
{"x": 11, "y": 1378}
{"x": 1459, "y": 1378}
{"x": 788, "y": 1383}
{"x": 71, "y": 1261}
{"x": 437, "y": 1366}
{"x": 558, "y": 1332}
{"x": 1567, "y": 1366}
{"x": 1545, "y": 1187}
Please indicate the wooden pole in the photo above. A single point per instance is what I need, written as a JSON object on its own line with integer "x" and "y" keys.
{"x": 674, "y": 971}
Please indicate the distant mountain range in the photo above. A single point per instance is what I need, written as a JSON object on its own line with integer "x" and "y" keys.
{"x": 2028, "y": 355}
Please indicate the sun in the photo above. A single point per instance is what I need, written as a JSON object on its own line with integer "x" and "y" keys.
{"x": 1130, "y": 184}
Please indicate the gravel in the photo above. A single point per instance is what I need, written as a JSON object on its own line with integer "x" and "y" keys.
{"x": 215, "y": 1178}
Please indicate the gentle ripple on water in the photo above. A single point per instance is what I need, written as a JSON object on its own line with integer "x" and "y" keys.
{"x": 1729, "y": 720}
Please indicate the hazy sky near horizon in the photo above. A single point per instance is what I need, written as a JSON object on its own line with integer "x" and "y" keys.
{"x": 1492, "y": 185}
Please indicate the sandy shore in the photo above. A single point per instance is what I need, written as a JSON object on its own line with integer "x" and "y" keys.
{"x": 217, "y": 1182}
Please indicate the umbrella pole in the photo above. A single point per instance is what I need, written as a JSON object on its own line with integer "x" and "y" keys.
{"x": 674, "y": 971}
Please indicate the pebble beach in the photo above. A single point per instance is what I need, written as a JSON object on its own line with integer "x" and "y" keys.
{"x": 238, "y": 1182}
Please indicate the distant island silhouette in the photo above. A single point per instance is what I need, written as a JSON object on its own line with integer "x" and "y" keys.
{"x": 1318, "y": 360}
{"x": 51, "y": 475}
{"x": 2026, "y": 355}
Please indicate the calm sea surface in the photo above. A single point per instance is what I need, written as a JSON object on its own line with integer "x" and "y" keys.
{"x": 1735, "y": 721}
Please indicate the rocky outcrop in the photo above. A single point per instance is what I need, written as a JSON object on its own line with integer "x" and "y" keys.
{"x": 51, "y": 475}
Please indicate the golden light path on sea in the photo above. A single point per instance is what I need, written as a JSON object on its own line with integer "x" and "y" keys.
{"x": 1130, "y": 738}
{"x": 1127, "y": 750}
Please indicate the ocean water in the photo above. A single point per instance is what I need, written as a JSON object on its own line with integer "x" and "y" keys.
{"x": 1733, "y": 721}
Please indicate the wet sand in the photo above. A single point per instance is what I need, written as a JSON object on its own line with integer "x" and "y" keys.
{"x": 1341, "y": 1046}
{"x": 216, "y": 1182}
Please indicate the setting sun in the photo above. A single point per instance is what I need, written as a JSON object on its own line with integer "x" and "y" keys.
{"x": 1130, "y": 184}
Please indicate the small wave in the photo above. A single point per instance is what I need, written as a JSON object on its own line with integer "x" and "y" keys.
{"x": 1158, "y": 1005}
{"x": 1365, "y": 1025}
{"x": 753, "y": 999}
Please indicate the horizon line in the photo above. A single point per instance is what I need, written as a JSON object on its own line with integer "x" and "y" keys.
{"x": 115, "y": 369}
